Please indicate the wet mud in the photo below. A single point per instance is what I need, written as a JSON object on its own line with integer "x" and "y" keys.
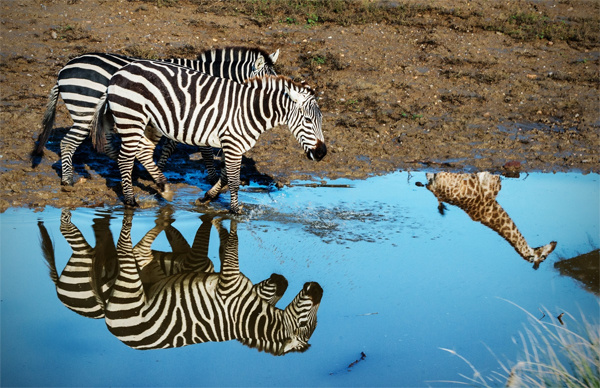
{"x": 442, "y": 85}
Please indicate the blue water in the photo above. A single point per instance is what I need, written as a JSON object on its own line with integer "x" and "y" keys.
{"x": 400, "y": 282}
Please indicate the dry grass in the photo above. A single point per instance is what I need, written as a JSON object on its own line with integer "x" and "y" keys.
{"x": 520, "y": 20}
{"x": 553, "y": 355}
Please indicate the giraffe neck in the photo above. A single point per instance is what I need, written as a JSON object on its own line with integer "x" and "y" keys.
{"x": 496, "y": 218}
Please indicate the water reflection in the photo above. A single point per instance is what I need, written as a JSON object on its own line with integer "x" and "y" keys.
{"x": 152, "y": 299}
{"x": 583, "y": 268}
{"x": 476, "y": 195}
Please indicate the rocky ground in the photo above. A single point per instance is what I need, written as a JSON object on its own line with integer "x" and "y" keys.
{"x": 406, "y": 85}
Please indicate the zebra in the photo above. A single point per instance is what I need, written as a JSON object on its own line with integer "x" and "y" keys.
{"x": 193, "y": 307}
{"x": 87, "y": 279}
{"x": 197, "y": 109}
{"x": 90, "y": 273}
{"x": 83, "y": 80}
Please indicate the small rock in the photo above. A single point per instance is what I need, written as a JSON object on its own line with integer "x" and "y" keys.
{"x": 531, "y": 76}
{"x": 513, "y": 165}
{"x": 54, "y": 35}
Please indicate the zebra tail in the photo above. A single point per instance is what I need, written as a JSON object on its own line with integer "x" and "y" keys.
{"x": 48, "y": 251}
{"x": 47, "y": 123}
{"x": 98, "y": 127}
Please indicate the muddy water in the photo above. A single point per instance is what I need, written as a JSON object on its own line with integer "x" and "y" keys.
{"x": 400, "y": 282}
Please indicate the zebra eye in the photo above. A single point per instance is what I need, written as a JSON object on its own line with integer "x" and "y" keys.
{"x": 308, "y": 120}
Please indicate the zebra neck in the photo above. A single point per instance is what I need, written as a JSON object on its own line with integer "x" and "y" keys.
{"x": 270, "y": 336}
{"x": 269, "y": 109}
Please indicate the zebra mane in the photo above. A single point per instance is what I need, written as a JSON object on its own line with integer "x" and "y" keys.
{"x": 272, "y": 347}
{"x": 231, "y": 52}
{"x": 270, "y": 82}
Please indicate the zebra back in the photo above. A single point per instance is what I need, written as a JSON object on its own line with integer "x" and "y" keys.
{"x": 234, "y": 63}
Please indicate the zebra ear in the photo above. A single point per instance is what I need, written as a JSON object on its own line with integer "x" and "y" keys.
{"x": 274, "y": 56}
{"x": 294, "y": 95}
{"x": 259, "y": 63}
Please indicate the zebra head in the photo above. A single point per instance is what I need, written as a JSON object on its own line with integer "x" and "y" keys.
{"x": 305, "y": 120}
{"x": 263, "y": 64}
{"x": 300, "y": 318}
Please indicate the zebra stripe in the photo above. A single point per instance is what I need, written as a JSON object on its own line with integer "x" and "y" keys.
{"x": 189, "y": 308}
{"x": 88, "y": 279}
{"x": 83, "y": 81}
{"x": 197, "y": 109}
{"x": 90, "y": 273}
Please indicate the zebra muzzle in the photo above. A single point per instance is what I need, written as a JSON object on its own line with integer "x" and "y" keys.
{"x": 314, "y": 291}
{"x": 318, "y": 152}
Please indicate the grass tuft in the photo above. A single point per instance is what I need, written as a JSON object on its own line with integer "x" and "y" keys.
{"x": 553, "y": 355}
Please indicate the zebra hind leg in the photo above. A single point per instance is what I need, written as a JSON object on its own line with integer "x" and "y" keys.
{"x": 126, "y": 160}
{"x": 208, "y": 158}
{"x": 145, "y": 155}
{"x": 68, "y": 145}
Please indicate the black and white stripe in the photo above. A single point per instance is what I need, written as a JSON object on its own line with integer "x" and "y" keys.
{"x": 195, "y": 307}
{"x": 87, "y": 279}
{"x": 84, "y": 79}
{"x": 87, "y": 282}
{"x": 196, "y": 109}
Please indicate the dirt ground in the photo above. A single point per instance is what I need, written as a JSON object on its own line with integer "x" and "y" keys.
{"x": 443, "y": 84}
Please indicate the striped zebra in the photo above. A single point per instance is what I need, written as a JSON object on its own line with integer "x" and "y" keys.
{"x": 197, "y": 109}
{"x": 89, "y": 275}
{"x": 147, "y": 312}
{"x": 88, "y": 278}
{"x": 84, "y": 79}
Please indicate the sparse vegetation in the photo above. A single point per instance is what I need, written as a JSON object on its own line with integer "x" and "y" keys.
{"x": 519, "y": 20}
{"x": 553, "y": 355}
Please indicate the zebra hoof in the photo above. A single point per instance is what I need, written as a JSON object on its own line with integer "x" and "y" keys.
{"x": 131, "y": 204}
{"x": 202, "y": 201}
{"x": 67, "y": 182}
{"x": 167, "y": 194}
{"x": 236, "y": 210}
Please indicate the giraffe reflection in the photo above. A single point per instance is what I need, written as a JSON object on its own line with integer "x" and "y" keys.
{"x": 153, "y": 299}
{"x": 476, "y": 195}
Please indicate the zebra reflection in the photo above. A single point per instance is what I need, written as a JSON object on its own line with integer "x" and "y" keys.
{"x": 476, "y": 195}
{"x": 172, "y": 299}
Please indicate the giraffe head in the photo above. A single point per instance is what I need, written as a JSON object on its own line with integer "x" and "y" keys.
{"x": 541, "y": 253}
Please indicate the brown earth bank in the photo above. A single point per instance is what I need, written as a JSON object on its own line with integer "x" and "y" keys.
{"x": 406, "y": 85}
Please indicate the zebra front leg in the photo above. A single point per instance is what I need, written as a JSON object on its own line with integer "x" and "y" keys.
{"x": 229, "y": 176}
{"x": 128, "y": 284}
{"x": 197, "y": 260}
{"x": 233, "y": 164}
{"x": 213, "y": 193}
{"x": 229, "y": 280}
